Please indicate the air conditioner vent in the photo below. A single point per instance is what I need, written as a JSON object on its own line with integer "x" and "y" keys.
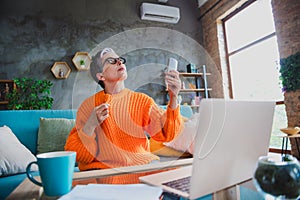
{"x": 160, "y": 13}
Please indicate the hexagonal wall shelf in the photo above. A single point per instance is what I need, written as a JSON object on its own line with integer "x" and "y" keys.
{"x": 61, "y": 70}
{"x": 82, "y": 61}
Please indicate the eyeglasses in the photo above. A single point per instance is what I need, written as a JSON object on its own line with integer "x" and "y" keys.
{"x": 115, "y": 60}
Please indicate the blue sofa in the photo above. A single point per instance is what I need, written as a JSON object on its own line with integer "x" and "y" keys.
{"x": 25, "y": 125}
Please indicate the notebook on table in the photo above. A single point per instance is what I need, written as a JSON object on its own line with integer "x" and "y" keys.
{"x": 231, "y": 135}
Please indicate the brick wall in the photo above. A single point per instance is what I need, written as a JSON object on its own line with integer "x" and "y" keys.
{"x": 213, "y": 39}
{"x": 287, "y": 24}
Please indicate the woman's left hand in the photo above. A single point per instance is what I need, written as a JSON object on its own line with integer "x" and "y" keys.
{"x": 173, "y": 82}
{"x": 174, "y": 85}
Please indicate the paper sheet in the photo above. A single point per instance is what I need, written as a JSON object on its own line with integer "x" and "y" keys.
{"x": 113, "y": 192}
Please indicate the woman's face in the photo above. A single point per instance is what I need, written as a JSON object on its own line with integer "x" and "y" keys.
{"x": 114, "y": 68}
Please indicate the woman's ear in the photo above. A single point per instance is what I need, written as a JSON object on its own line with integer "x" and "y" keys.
{"x": 100, "y": 77}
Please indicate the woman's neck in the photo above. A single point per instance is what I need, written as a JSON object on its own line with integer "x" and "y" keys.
{"x": 114, "y": 88}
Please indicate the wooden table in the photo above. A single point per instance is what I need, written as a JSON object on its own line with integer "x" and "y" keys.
{"x": 28, "y": 190}
{"x": 284, "y": 145}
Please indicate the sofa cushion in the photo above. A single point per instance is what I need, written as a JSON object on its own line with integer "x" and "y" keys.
{"x": 185, "y": 111}
{"x": 173, "y": 149}
{"x": 25, "y": 123}
{"x": 14, "y": 156}
{"x": 53, "y": 133}
{"x": 185, "y": 140}
{"x": 159, "y": 149}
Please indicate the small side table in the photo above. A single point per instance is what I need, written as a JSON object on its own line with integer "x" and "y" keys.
{"x": 285, "y": 139}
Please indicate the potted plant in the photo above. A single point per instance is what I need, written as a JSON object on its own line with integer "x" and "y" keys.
{"x": 278, "y": 178}
{"x": 290, "y": 77}
{"x": 82, "y": 64}
{"x": 30, "y": 94}
{"x": 290, "y": 72}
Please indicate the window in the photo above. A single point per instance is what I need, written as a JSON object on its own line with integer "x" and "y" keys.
{"x": 253, "y": 59}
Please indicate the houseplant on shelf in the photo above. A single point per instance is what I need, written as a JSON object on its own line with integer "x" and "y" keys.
{"x": 82, "y": 64}
{"x": 30, "y": 94}
{"x": 290, "y": 77}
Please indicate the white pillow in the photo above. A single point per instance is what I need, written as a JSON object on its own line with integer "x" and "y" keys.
{"x": 14, "y": 156}
{"x": 185, "y": 140}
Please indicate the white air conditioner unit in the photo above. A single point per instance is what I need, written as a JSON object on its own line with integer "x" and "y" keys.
{"x": 160, "y": 13}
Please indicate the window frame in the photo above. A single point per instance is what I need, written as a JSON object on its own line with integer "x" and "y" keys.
{"x": 227, "y": 55}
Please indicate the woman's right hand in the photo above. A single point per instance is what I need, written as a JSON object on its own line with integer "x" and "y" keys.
{"x": 102, "y": 112}
{"x": 97, "y": 117}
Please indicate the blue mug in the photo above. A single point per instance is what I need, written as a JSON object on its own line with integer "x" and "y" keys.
{"x": 56, "y": 171}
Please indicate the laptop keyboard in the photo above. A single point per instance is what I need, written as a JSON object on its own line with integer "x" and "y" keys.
{"x": 182, "y": 184}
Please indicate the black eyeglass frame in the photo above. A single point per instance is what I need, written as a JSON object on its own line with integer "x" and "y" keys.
{"x": 115, "y": 60}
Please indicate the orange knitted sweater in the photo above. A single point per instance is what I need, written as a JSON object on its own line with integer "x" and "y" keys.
{"x": 121, "y": 140}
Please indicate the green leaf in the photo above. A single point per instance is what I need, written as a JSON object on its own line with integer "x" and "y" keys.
{"x": 290, "y": 72}
{"x": 30, "y": 94}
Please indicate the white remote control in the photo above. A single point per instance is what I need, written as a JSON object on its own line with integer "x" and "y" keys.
{"x": 172, "y": 64}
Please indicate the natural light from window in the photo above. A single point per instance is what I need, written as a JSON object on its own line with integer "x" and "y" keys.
{"x": 254, "y": 60}
{"x": 256, "y": 69}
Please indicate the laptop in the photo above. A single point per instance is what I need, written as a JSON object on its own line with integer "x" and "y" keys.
{"x": 231, "y": 136}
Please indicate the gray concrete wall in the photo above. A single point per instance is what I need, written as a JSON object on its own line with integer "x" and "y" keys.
{"x": 37, "y": 33}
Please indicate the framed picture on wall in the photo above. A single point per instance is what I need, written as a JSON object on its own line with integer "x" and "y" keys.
{"x": 6, "y": 86}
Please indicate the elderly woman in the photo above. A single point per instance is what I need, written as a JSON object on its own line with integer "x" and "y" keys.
{"x": 110, "y": 125}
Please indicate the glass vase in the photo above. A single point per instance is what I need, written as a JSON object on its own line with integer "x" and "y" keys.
{"x": 278, "y": 179}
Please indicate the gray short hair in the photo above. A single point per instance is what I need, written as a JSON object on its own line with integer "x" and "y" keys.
{"x": 105, "y": 51}
{"x": 97, "y": 67}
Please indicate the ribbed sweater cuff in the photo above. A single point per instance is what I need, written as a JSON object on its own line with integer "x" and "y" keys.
{"x": 85, "y": 138}
{"x": 173, "y": 114}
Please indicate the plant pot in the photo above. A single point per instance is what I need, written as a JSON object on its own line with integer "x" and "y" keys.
{"x": 279, "y": 179}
